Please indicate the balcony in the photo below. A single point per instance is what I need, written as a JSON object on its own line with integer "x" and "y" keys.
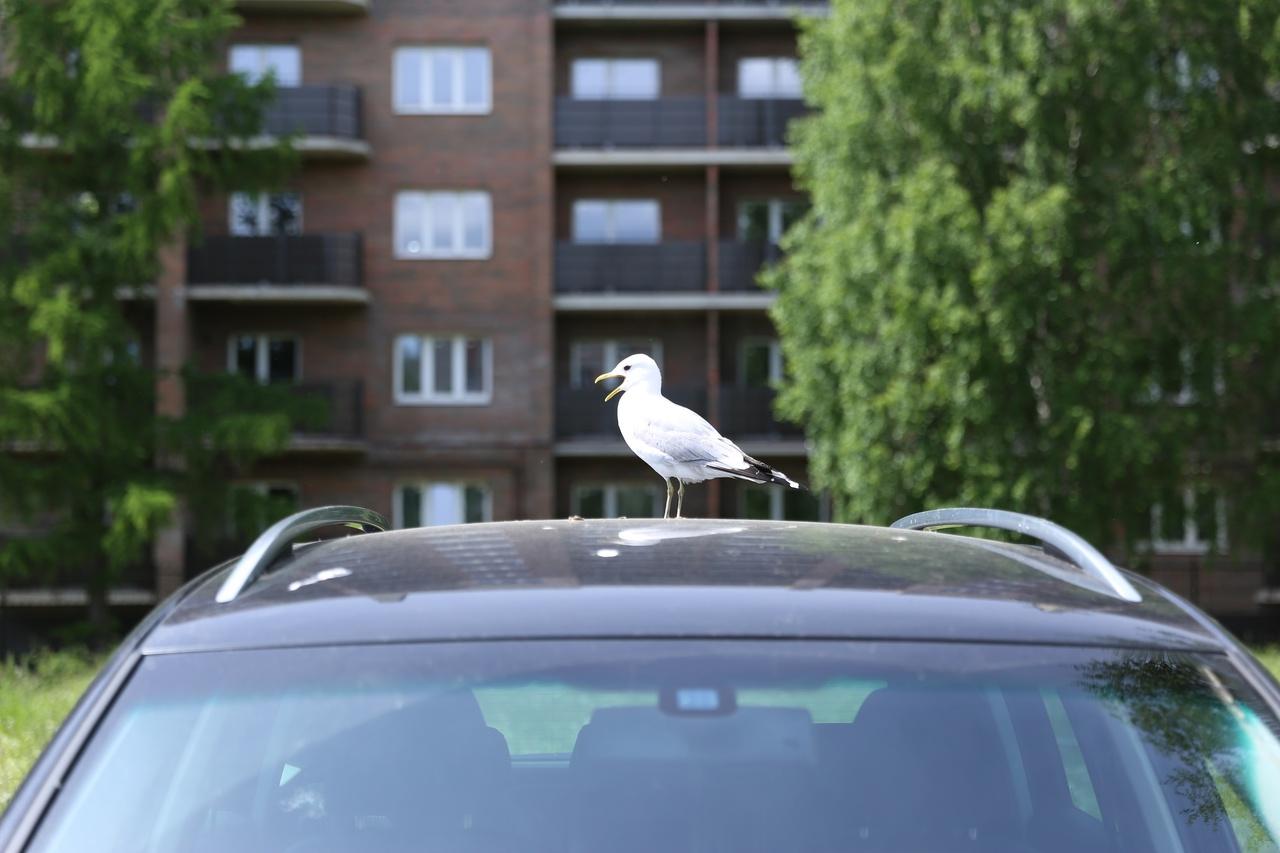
{"x": 305, "y": 7}
{"x": 687, "y": 9}
{"x": 581, "y": 413}
{"x": 298, "y": 268}
{"x": 756, "y": 122}
{"x": 334, "y": 417}
{"x": 659, "y": 123}
{"x": 674, "y": 267}
{"x": 740, "y": 262}
{"x": 325, "y": 120}
{"x": 749, "y": 412}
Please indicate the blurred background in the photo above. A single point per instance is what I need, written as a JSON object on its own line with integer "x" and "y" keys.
{"x": 272, "y": 254}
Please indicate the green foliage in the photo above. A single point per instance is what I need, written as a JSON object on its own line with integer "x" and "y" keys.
{"x": 1039, "y": 271}
{"x": 113, "y": 122}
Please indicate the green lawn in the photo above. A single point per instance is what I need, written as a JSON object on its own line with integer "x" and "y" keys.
{"x": 35, "y": 698}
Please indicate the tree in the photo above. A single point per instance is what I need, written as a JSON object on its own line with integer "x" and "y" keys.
{"x": 1039, "y": 269}
{"x": 113, "y": 120}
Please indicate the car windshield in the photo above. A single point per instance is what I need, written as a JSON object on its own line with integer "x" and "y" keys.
{"x": 677, "y": 745}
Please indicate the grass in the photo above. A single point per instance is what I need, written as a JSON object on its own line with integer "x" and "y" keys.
{"x": 35, "y": 695}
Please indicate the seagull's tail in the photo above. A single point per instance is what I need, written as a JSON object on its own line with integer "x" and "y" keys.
{"x": 759, "y": 472}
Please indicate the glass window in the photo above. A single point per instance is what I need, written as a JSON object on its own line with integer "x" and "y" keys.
{"x": 766, "y": 220}
{"x": 761, "y": 745}
{"x": 265, "y": 214}
{"x": 613, "y": 500}
{"x": 778, "y": 504}
{"x": 760, "y": 364}
{"x": 588, "y": 359}
{"x": 443, "y": 225}
{"x": 431, "y": 504}
{"x": 769, "y": 77}
{"x": 441, "y": 80}
{"x": 615, "y": 79}
{"x": 453, "y": 369}
{"x": 258, "y": 61}
{"x": 617, "y": 221}
{"x": 264, "y": 358}
{"x": 1190, "y": 520}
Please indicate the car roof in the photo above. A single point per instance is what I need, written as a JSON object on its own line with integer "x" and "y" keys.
{"x": 677, "y": 578}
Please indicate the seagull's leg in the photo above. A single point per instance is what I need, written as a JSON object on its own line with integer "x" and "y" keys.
{"x": 680, "y": 500}
{"x": 666, "y": 511}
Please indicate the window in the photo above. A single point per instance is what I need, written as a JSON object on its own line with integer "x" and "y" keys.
{"x": 613, "y": 500}
{"x": 778, "y": 504}
{"x": 265, "y": 214}
{"x": 768, "y": 77}
{"x": 617, "y": 221}
{"x": 429, "y": 504}
{"x": 759, "y": 363}
{"x": 443, "y": 370}
{"x": 1184, "y": 377}
{"x": 257, "y": 61}
{"x": 1190, "y": 521}
{"x": 443, "y": 225}
{"x": 615, "y": 79}
{"x": 256, "y": 506}
{"x": 766, "y": 220}
{"x": 588, "y": 359}
{"x": 442, "y": 80}
{"x": 265, "y": 358}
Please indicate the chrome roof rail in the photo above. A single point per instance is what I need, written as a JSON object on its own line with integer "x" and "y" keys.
{"x": 279, "y": 536}
{"x": 1070, "y": 545}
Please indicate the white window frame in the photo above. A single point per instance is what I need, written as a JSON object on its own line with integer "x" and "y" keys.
{"x": 1191, "y": 543}
{"x": 612, "y": 355}
{"x": 773, "y": 226}
{"x": 774, "y": 93}
{"x": 611, "y": 225}
{"x": 262, "y": 201}
{"x": 426, "y": 56}
{"x": 261, "y": 48}
{"x": 457, "y": 252}
{"x": 611, "y": 496}
{"x": 1187, "y": 395}
{"x": 424, "y": 492}
{"x": 777, "y": 506}
{"x": 261, "y": 357}
{"x": 610, "y": 65}
{"x": 459, "y": 396}
{"x": 775, "y": 361}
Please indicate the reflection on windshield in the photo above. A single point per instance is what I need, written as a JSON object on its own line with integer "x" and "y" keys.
{"x": 678, "y": 745}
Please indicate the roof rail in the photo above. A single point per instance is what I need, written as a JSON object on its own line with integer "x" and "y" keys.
{"x": 280, "y": 536}
{"x": 1070, "y": 545}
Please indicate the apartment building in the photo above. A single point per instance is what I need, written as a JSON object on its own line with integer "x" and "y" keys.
{"x": 498, "y": 199}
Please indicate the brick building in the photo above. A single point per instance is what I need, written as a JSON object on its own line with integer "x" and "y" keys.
{"x": 497, "y": 200}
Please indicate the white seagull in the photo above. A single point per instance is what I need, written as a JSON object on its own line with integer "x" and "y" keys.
{"x": 676, "y": 442}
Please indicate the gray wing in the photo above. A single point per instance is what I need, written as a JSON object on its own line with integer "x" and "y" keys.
{"x": 685, "y": 436}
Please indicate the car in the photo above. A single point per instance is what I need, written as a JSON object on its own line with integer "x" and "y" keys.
{"x": 682, "y": 685}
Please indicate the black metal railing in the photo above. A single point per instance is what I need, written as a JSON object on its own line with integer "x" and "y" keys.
{"x": 756, "y": 122}
{"x": 583, "y": 413}
{"x": 749, "y": 412}
{"x": 339, "y": 405}
{"x": 630, "y": 268}
{"x": 741, "y": 261}
{"x": 315, "y": 111}
{"x": 661, "y": 122}
{"x": 330, "y": 259}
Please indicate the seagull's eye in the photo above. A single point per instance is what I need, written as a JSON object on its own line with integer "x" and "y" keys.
{"x": 626, "y": 367}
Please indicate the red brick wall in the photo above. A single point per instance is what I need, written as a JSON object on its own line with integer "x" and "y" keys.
{"x": 738, "y": 44}
{"x": 681, "y": 195}
{"x": 679, "y": 52}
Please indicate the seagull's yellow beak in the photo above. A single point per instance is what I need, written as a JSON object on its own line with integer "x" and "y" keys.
{"x": 615, "y": 391}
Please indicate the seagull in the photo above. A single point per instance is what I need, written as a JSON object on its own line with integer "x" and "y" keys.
{"x": 676, "y": 442}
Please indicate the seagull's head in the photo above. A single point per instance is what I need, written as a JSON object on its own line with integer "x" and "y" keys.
{"x": 635, "y": 371}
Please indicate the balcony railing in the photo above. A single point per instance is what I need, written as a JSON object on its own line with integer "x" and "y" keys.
{"x": 582, "y": 412}
{"x": 304, "y": 259}
{"x": 756, "y": 122}
{"x": 630, "y": 268}
{"x": 749, "y": 412}
{"x": 659, "y": 123}
{"x": 339, "y": 408}
{"x": 740, "y": 261}
{"x": 315, "y": 111}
